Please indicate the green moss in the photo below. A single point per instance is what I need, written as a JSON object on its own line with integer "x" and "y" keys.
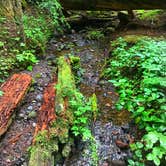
{"x": 148, "y": 14}
{"x": 94, "y": 106}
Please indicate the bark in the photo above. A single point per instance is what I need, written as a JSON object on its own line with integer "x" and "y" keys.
{"x": 113, "y": 4}
{"x": 46, "y": 116}
{"x": 54, "y": 119}
{"x": 13, "y": 92}
{"x": 12, "y": 11}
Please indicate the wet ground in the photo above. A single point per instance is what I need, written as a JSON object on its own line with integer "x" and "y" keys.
{"x": 111, "y": 129}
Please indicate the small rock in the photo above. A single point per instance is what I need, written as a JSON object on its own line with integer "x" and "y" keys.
{"x": 38, "y": 104}
{"x": 30, "y": 108}
{"x": 34, "y": 124}
{"x": 121, "y": 145}
{"x": 118, "y": 163}
{"x": 39, "y": 97}
{"x": 21, "y": 115}
{"x": 102, "y": 82}
{"x": 108, "y": 105}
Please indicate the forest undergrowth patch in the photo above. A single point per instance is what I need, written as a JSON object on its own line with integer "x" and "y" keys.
{"x": 138, "y": 71}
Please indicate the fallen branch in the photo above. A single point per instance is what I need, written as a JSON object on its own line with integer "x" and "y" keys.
{"x": 14, "y": 89}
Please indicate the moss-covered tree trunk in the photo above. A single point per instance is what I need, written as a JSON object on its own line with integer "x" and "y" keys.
{"x": 113, "y": 4}
{"x": 11, "y": 19}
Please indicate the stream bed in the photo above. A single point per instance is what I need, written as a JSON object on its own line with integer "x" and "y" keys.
{"x": 113, "y": 130}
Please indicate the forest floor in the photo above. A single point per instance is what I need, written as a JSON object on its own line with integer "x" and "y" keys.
{"x": 109, "y": 127}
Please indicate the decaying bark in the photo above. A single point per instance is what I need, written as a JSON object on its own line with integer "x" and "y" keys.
{"x": 113, "y": 4}
{"x": 13, "y": 92}
{"x": 54, "y": 119}
{"x": 45, "y": 117}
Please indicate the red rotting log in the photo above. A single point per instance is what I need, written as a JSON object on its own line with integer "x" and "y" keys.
{"x": 14, "y": 89}
{"x": 46, "y": 113}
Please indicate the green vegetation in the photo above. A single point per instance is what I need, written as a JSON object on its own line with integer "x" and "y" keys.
{"x": 26, "y": 59}
{"x": 1, "y": 93}
{"x": 78, "y": 105}
{"x": 138, "y": 72}
{"x": 37, "y": 32}
{"x": 94, "y": 34}
{"x": 73, "y": 114}
{"x": 38, "y": 24}
{"x": 148, "y": 14}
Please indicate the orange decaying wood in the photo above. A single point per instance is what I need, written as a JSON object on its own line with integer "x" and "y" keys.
{"x": 14, "y": 90}
{"x": 47, "y": 111}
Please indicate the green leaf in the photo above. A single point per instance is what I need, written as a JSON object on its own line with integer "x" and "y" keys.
{"x": 1, "y": 93}
{"x": 30, "y": 68}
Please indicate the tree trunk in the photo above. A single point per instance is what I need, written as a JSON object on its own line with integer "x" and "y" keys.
{"x": 11, "y": 10}
{"x": 113, "y": 4}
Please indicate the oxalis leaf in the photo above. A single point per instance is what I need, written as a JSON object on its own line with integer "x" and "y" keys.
{"x": 151, "y": 138}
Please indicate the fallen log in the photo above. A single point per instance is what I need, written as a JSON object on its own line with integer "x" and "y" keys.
{"x": 46, "y": 116}
{"x": 14, "y": 89}
{"x": 54, "y": 119}
{"x": 112, "y": 4}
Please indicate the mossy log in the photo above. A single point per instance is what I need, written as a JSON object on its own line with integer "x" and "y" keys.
{"x": 112, "y": 4}
{"x": 14, "y": 89}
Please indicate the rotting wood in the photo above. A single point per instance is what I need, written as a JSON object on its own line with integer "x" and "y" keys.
{"x": 46, "y": 116}
{"x": 54, "y": 119}
{"x": 47, "y": 111}
{"x": 14, "y": 89}
{"x": 112, "y": 4}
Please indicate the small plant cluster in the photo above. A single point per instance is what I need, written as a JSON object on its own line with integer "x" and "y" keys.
{"x": 94, "y": 35}
{"x": 148, "y": 14}
{"x": 39, "y": 27}
{"x": 138, "y": 72}
{"x": 76, "y": 68}
{"x": 6, "y": 65}
{"x": 82, "y": 113}
{"x": 26, "y": 59}
{"x": 54, "y": 9}
{"x": 37, "y": 32}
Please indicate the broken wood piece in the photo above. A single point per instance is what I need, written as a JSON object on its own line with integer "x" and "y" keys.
{"x": 46, "y": 113}
{"x": 14, "y": 89}
{"x": 41, "y": 155}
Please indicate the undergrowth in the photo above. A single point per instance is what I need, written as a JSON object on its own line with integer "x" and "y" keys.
{"x": 39, "y": 22}
{"x": 138, "y": 71}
